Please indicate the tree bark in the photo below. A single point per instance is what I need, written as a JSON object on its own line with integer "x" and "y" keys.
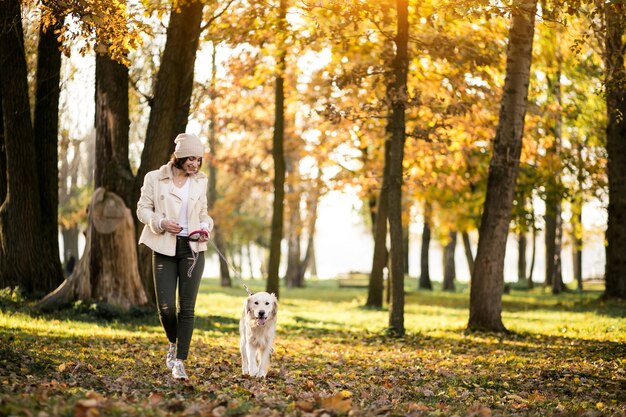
{"x": 381, "y": 254}
{"x": 615, "y": 269}
{"x": 449, "y": 269}
{"x": 398, "y": 100}
{"x": 424, "y": 282}
{"x": 294, "y": 227}
{"x": 100, "y": 276}
{"x": 25, "y": 260}
{"x": 554, "y": 222}
{"x": 3, "y": 157}
{"x": 577, "y": 246}
{"x": 278, "y": 155}
{"x": 533, "y": 256}
{"x": 169, "y": 109}
{"x": 46, "y": 125}
{"x": 467, "y": 246}
{"x": 521, "y": 256}
{"x": 487, "y": 280}
{"x": 108, "y": 269}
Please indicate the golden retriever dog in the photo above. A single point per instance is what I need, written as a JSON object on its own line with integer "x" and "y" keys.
{"x": 257, "y": 329}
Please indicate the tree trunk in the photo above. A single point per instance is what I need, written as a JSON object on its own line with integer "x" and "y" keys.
{"x": 309, "y": 253}
{"x": 108, "y": 268}
{"x": 549, "y": 242}
{"x": 278, "y": 155}
{"x": 25, "y": 259}
{"x": 425, "y": 283}
{"x": 487, "y": 280}
{"x": 3, "y": 156}
{"x": 405, "y": 247}
{"x": 554, "y": 222}
{"x": 225, "y": 280}
{"x": 557, "y": 278}
{"x": 294, "y": 227}
{"x": 615, "y": 269}
{"x": 381, "y": 255}
{"x": 68, "y": 173}
{"x": 449, "y": 269}
{"x": 521, "y": 256}
{"x": 169, "y": 109}
{"x": 107, "y": 271}
{"x": 468, "y": 251}
{"x": 533, "y": 256}
{"x": 398, "y": 100}
{"x": 577, "y": 246}
{"x": 46, "y": 148}
{"x": 313, "y": 261}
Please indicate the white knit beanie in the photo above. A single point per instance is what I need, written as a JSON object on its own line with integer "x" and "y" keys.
{"x": 188, "y": 144}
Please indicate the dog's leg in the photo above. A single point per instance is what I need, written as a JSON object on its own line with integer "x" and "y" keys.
{"x": 264, "y": 354}
{"x": 264, "y": 363}
{"x": 252, "y": 363}
{"x": 244, "y": 354}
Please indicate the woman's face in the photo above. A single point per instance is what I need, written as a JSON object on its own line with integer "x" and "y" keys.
{"x": 191, "y": 165}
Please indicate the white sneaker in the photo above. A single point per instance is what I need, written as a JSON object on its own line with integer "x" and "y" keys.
{"x": 170, "y": 358}
{"x": 178, "y": 371}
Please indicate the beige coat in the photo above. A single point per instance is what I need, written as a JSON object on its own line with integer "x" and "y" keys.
{"x": 160, "y": 200}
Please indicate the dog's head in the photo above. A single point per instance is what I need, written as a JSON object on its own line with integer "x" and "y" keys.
{"x": 262, "y": 306}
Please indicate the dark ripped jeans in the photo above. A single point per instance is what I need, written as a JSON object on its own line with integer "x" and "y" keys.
{"x": 170, "y": 272}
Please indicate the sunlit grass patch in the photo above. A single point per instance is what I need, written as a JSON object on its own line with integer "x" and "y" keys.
{"x": 564, "y": 353}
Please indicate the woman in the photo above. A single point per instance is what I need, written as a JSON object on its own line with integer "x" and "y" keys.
{"x": 172, "y": 205}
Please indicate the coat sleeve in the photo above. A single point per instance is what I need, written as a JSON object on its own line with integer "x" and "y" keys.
{"x": 145, "y": 206}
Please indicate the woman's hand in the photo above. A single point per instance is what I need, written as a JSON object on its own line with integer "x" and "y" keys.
{"x": 171, "y": 226}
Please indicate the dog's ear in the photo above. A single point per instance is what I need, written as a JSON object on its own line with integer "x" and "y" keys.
{"x": 248, "y": 308}
{"x": 275, "y": 302}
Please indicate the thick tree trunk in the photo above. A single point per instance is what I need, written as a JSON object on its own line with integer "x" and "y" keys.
{"x": 487, "y": 280}
{"x": 46, "y": 147}
{"x": 615, "y": 270}
{"x": 108, "y": 268}
{"x": 25, "y": 260}
{"x": 381, "y": 254}
{"x": 449, "y": 268}
{"x": 169, "y": 109}
{"x": 99, "y": 275}
{"x": 424, "y": 282}
{"x": 398, "y": 99}
{"x": 278, "y": 154}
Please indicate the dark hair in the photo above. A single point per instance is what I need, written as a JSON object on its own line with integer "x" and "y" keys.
{"x": 178, "y": 162}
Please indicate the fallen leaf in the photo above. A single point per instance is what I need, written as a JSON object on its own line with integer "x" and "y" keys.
{"x": 337, "y": 403}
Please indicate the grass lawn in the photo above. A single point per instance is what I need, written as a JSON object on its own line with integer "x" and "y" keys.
{"x": 566, "y": 356}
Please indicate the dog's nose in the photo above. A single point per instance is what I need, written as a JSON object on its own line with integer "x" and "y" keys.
{"x": 261, "y": 313}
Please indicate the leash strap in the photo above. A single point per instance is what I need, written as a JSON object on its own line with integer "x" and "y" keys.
{"x": 230, "y": 266}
